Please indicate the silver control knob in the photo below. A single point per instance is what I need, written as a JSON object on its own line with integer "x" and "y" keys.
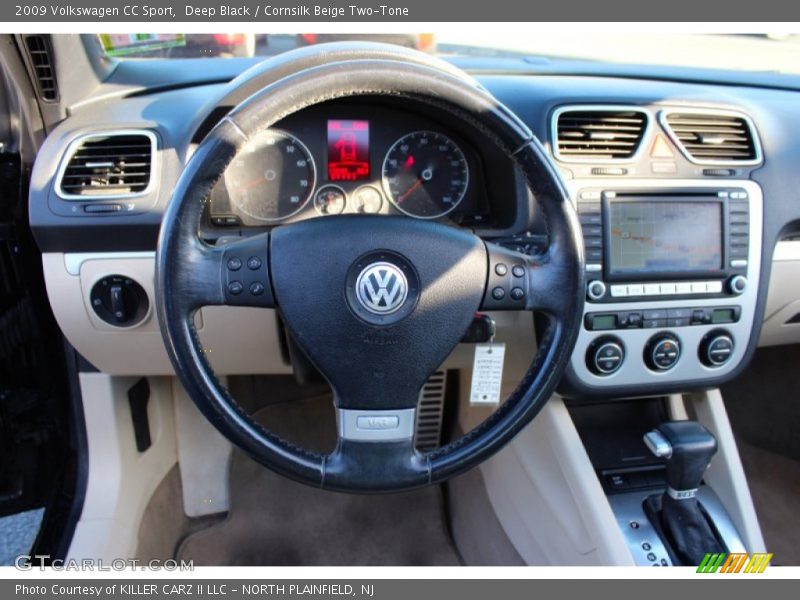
{"x": 716, "y": 349}
{"x": 595, "y": 290}
{"x": 662, "y": 352}
{"x": 605, "y": 356}
{"x": 737, "y": 284}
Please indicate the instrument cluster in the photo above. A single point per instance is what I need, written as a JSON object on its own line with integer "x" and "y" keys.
{"x": 352, "y": 159}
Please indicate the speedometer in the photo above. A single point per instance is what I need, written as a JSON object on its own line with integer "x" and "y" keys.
{"x": 425, "y": 174}
{"x": 272, "y": 177}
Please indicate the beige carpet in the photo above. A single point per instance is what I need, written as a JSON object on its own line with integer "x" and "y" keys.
{"x": 775, "y": 486}
{"x": 275, "y": 521}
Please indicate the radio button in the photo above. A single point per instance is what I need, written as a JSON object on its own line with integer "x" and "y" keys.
{"x": 592, "y": 231}
{"x": 714, "y": 287}
{"x": 635, "y": 290}
{"x": 738, "y": 263}
{"x": 593, "y": 242}
{"x": 590, "y": 195}
{"x": 669, "y": 288}
{"x": 699, "y": 287}
{"x": 594, "y": 255}
{"x": 591, "y": 219}
{"x": 683, "y": 288}
{"x": 651, "y": 289}
{"x": 619, "y": 291}
{"x": 738, "y": 251}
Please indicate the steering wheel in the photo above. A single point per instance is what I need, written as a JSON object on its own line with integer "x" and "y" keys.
{"x": 376, "y": 302}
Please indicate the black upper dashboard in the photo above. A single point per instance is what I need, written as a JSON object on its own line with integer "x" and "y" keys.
{"x": 638, "y": 145}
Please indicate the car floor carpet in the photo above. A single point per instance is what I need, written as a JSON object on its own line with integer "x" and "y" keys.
{"x": 276, "y": 521}
{"x": 775, "y": 487}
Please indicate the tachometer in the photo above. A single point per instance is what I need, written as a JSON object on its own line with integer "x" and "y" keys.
{"x": 272, "y": 178}
{"x": 425, "y": 174}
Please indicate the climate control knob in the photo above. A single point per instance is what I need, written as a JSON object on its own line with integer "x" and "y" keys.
{"x": 716, "y": 348}
{"x": 605, "y": 356}
{"x": 662, "y": 352}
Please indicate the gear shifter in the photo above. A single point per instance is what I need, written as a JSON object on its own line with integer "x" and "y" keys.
{"x": 688, "y": 448}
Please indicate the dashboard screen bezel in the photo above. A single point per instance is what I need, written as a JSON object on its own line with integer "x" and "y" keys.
{"x": 663, "y": 275}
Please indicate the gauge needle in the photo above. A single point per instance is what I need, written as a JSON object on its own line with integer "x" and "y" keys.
{"x": 410, "y": 190}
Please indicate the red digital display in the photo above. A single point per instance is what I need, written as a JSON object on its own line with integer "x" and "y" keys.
{"x": 348, "y": 150}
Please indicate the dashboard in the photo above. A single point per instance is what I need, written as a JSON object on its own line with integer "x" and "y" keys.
{"x": 683, "y": 190}
{"x": 356, "y": 158}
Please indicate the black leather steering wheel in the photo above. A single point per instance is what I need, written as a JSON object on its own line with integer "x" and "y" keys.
{"x": 376, "y": 302}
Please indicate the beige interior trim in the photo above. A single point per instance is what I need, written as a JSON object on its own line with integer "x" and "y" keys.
{"x": 204, "y": 456}
{"x": 121, "y": 479}
{"x": 238, "y": 340}
{"x": 783, "y": 297}
{"x": 548, "y": 499}
{"x": 726, "y": 474}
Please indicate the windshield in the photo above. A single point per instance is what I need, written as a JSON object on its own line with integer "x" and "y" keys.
{"x": 751, "y": 52}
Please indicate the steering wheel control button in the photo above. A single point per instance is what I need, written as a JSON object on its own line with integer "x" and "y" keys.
{"x": 605, "y": 356}
{"x": 595, "y": 290}
{"x": 382, "y": 288}
{"x": 501, "y": 269}
{"x": 716, "y": 348}
{"x": 498, "y": 293}
{"x": 518, "y": 271}
{"x": 119, "y": 301}
{"x": 235, "y": 287}
{"x": 254, "y": 263}
{"x": 662, "y": 352}
{"x": 256, "y": 288}
{"x": 234, "y": 264}
{"x": 517, "y": 294}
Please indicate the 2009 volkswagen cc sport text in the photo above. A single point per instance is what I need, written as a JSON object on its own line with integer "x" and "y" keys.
{"x": 367, "y": 303}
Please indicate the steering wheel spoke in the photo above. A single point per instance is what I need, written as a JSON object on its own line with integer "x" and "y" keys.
{"x": 518, "y": 281}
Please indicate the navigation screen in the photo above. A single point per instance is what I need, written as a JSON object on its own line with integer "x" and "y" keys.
{"x": 348, "y": 150}
{"x": 670, "y": 236}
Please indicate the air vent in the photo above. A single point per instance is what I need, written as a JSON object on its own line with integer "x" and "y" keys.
{"x": 713, "y": 137}
{"x": 43, "y": 68}
{"x": 112, "y": 165}
{"x": 592, "y": 134}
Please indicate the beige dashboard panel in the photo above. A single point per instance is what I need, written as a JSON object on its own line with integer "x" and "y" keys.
{"x": 783, "y": 299}
{"x": 238, "y": 340}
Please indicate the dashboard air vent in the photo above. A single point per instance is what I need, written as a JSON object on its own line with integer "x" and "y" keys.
{"x": 44, "y": 70}
{"x": 599, "y": 134}
{"x": 112, "y": 165}
{"x": 713, "y": 138}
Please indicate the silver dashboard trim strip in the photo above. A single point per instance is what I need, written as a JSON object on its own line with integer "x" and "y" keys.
{"x": 376, "y": 425}
{"x": 634, "y": 372}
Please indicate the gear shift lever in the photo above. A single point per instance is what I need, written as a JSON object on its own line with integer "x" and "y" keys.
{"x": 688, "y": 448}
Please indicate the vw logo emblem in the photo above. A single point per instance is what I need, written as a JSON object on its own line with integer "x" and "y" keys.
{"x": 381, "y": 288}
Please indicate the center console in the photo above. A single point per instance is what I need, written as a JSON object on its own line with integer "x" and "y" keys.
{"x": 672, "y": 270}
